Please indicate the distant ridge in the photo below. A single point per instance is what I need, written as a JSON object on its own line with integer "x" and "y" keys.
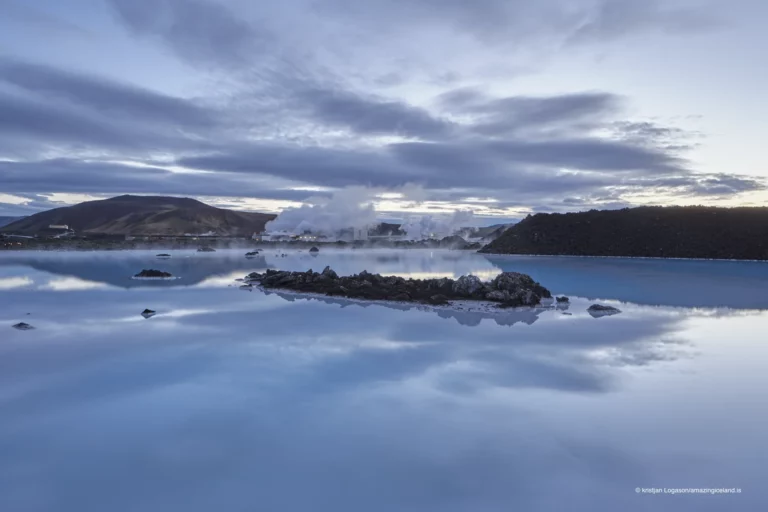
{"x": 661, "y": 232}
{"x": 144, "y": 215}
{"x": 4, "y": 221}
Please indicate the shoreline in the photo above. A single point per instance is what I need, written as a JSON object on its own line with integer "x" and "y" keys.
{"x": 13, "y": 243}
{"x": 261, "y": 246}
{"x": 654, "y": 258}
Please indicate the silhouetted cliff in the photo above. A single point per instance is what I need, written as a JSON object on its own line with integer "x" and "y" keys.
{"x": 661, "y": 232}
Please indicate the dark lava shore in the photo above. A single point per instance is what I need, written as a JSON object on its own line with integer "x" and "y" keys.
{"x": 508, "y": 289}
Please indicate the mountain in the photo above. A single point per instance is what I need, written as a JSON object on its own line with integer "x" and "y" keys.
{"x": 664, "y": 232}
{"x": 144, "y": 215}
{"x": 4, "y": 221}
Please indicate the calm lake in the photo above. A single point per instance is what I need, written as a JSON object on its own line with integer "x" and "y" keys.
{"x": 244, "y": 401}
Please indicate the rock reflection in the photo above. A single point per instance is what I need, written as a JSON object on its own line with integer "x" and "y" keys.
{"x": 506, "y": 317}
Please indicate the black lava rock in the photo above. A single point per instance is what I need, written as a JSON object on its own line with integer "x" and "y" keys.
{"x": 598, "y": 310}
{"x": 151, "y": 273}
{"x": 509, "y": 288}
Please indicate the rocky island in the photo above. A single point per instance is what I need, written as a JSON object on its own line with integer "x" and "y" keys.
{"x": 508, "y": 289}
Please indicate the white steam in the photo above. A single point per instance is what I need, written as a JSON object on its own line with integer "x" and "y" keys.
{"x": 419, "y": 227}
{"x": 355, "y": 208}
{"x": 352, "y": 207}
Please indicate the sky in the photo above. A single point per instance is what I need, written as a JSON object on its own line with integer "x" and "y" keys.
{"x": 502, "y": 107}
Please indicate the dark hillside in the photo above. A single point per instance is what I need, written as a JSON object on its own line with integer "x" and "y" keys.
{"x": 144, "y": 215}
{"x": 661, "y": 232}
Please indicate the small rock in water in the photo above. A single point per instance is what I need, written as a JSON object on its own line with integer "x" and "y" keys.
{"x": 148, "y": 313}
{"x": 206, "y": 249}
{"x": 164, "y": 256}
{"x": 152, "y": 273}
{"x": 23, "y": 326}
{"x": 598, "y": 310}
{"x": 561, "y": 300}
{"x": 314, "y": 249}
{"x": 252, "y": 254}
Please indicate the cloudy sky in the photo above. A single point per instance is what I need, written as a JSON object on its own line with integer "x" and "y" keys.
{"x": 500, "y": 106}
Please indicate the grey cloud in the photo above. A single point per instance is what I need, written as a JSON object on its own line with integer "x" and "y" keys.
{"x": 77, "y": 176}
{"x": 670, "y": 138}
{"x": 588, "y": 154}
{"x": 520, "y": 114}
{"x": 284, "y": 119}
{"x": 694, "y": 185}
{"x": 44, "y": 109}
{"x": 616, "y": 18}
{"x": 197, "y": 30}
{"x": 512, "y": 166}
{"x": 521, "y": 167}
{"x": 646, "y": 129}
{"x": 501, "y": 157}
{"x": 531, "y": 109}
{"x": 314, "y": 165}
{"x": 27, "y": 14}
{"x": 713, "y": 185}
{"x": 371, "y": 115}
{"x": 103, "y": 96}
{"x": 461, "y": 98}
{"x": 51, "y": 124}
{"x": 34, "y": 126}
{"x": 551, "y": 21}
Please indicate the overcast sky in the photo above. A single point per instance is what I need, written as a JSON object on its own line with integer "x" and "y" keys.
{"x": 501, "y": 106}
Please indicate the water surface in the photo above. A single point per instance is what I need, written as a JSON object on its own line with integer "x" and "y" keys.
{"x": 241, "y": 401}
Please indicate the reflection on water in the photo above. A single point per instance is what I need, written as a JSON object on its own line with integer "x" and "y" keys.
{"x": 708, "y": 284}
{"x": 692, "y": 283}
{"x": 9, "y": 283}
{"x": 263, "y": 401}
{"x": 501, "y": 317}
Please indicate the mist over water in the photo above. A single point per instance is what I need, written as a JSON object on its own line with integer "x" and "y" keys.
{"x": 236, "y": 400}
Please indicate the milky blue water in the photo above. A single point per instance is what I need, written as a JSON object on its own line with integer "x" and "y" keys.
{"x": 243, "y": 401}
